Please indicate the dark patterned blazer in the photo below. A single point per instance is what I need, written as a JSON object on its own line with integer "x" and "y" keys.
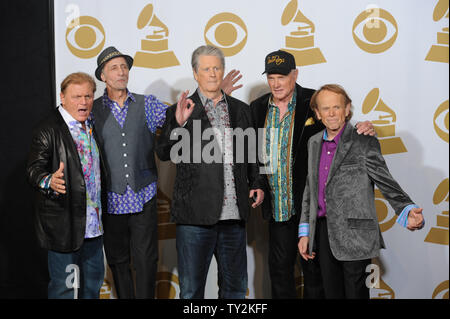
{"x": 199, "y": 186}
{"x": 358, "y": 164}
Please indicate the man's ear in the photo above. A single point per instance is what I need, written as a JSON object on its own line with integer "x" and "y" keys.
{"x": 347, "y": 109}
{"x": 62, "y": 98}
{"x": 296, "y": 75}
{"x": 195, "y": 75}
{"x": 317, "y": 114}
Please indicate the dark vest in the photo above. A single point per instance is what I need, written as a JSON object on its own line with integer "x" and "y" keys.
{"x": 129, "y": 150}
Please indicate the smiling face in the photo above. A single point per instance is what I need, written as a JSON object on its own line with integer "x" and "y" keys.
{"x": 77, "y": 100}
{"x": 115, "y": 74}
{"x": 332, "y": 111}
{"x": 209, "y": 74}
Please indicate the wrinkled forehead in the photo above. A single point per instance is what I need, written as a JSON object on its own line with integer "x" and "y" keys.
{"x": 209, "y": 60}
{"x": 330, "y": 98}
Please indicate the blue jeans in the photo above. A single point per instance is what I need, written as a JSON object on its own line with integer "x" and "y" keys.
{"x": 196, "y": 245}
{"x": 90, "y": 263}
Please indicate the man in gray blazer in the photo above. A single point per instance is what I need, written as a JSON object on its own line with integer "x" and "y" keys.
{"x": 339, "y": 223}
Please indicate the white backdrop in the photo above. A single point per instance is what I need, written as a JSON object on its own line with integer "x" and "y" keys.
{"x": 391, "y": 56}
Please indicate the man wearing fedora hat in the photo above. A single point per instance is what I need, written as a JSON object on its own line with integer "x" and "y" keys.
{"x": 126, "y": 123}
{"x": 288, "y": 123}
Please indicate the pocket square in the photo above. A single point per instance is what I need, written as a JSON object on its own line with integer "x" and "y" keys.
{"x": 309, "y": 121}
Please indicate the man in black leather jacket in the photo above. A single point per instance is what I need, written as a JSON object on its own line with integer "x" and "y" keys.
{"x": 64, "y": 169}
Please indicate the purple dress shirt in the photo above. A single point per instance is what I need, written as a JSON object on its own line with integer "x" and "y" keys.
{"x": 326, "y": 158}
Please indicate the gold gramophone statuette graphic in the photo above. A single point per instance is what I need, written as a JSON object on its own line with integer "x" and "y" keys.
{"x": 439, "y": 234}
{"x": 439, "y": 51}
{"x": 385, "y": 124}
{"x": 106, "y": 290}
{"x": 300, "y": 43}
{"x": 155, "y": 53}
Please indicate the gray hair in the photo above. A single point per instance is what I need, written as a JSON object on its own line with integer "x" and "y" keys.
{"x": 206, "y": 50}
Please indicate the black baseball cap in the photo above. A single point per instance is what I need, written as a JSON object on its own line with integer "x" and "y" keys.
{"x": 279, "y": 62}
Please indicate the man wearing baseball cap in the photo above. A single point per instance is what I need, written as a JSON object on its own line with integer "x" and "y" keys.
{"x": 289, "y": 123}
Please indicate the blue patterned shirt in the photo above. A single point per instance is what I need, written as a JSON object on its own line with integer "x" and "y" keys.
{"x": 155, "y": 115}
{"x": 279, "y": 135}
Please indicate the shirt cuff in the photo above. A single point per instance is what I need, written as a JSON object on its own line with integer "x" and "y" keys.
{"x": 303, "y": 230}
{"x": 403, "y": 217}
{"x": 45, "y": 182}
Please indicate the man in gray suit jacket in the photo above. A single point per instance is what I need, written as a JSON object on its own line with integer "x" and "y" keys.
{"x": 339, "y": 223}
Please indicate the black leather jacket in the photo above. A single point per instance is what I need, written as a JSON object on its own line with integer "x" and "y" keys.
{"x": 60, "y": 219}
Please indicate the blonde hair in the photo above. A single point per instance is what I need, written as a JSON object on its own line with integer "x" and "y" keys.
{"x": 78, "y": 78}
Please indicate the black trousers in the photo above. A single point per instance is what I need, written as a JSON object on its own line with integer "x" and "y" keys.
{"x": 133, "y": 238}
{"x": 341, "y": 279}
{"x": 283, "y": 253}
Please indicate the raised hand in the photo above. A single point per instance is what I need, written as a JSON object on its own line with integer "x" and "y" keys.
{"x": 185, "y": 107}
{"x": 230, "y": 80}
{"x": 57, "y": 181}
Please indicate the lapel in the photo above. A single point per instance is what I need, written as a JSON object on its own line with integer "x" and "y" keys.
{"x": 314, "y": 153}
{"x": 343, "y": 147}
{"x": 72, "y": 152}
{"x": 233, "y": 112}
{"x": 199, "y": 112}
{"x": 262, "y": 110}
{"x": 301, "y": 114}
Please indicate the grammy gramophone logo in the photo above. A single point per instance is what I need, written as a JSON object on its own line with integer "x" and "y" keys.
{"x": 441, "y": 121}
{"x": 439, "y": 233}
{"x": 439, "y": 51}
{"x": 374, "y": 30}
{"x": 154, "y": 53}
{"x": 226, "y": 31}
{"x": 106, "y": 291}
{"x": 300, "y": 43}
{"x": 385, "y": 123}
{"x": 166, "y": 229}
{"x": 85, "y": 36}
